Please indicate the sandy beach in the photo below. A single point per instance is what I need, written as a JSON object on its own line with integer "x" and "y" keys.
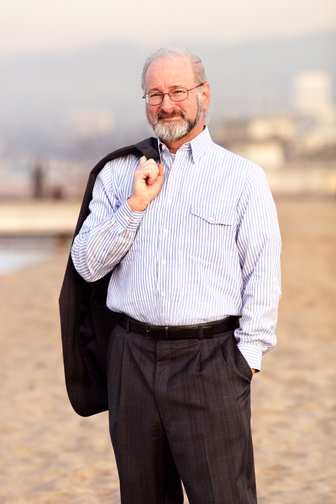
{"x": 49, "y": 455}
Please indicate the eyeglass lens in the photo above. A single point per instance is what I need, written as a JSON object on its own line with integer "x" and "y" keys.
{"x": 175, "y": 95}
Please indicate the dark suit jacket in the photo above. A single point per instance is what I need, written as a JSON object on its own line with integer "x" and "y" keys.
{"x": 86, "y": 322}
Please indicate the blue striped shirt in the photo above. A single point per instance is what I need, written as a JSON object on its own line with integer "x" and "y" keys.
{"x": 208, "y": 246}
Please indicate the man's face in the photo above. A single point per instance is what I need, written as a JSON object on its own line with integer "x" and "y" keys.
{"x": 170, "y": 120}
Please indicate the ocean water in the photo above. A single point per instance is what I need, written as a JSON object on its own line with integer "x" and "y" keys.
{"x": 20, "y": 252}
{"x": 14, "y": 260}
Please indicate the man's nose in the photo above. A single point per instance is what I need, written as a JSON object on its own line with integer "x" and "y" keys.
{"x": 167, "y": 103}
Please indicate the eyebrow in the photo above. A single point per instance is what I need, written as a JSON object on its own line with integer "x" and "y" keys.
{"x": 175, "y": 86}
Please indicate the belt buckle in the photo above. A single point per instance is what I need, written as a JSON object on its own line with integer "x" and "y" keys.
{"x": 165, "y": 337}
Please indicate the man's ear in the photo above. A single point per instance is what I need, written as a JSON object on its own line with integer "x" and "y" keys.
{"x": 206, "y": 95}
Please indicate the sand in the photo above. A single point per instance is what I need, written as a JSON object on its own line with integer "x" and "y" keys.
{"x": 50, "y": 455}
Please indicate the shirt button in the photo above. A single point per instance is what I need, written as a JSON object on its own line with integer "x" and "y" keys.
{"x": 127, "y": 218}
{"x": 164, "y": 262}
{"x": 211, "y": 219}
{"x": 134, "y": 220}
{"x": 169, "y": 201}
{"x": 166, "y": 231}
{"x": 163, "y": 294}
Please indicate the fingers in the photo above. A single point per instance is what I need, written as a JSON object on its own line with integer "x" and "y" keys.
{"x": 147, "y": 183}
{"x": 159, "y": 170}
{"x": 148, "y": 170}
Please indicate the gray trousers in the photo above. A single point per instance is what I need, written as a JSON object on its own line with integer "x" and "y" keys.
{"x": 180, "y": 410}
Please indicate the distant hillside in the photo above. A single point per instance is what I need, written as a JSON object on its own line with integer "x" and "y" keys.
{"x": 87, "y": 102}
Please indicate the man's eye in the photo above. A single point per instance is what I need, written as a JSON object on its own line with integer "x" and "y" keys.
{"x": 154, "y": 95}
{"x": 177, "y": 92}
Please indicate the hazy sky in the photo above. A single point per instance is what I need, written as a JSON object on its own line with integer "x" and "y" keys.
{"x": 30, "y": 26}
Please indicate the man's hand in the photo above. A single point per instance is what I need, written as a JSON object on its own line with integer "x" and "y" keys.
{"x": 253, "y": 371}
{"x": 147, "y": 182}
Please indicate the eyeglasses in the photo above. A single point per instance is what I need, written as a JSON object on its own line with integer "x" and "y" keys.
{"x": 176, "y": 95}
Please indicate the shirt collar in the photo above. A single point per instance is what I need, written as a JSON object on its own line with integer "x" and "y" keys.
{"x": 198, "y": 145}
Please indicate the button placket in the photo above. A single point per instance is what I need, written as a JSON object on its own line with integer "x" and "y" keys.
{"x": 162, "y": 251}
{"x": 169, "y": 274}
{"x": 166, "y": 229}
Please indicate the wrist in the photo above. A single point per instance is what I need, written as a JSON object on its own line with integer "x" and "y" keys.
{"x": 137, "y": 205}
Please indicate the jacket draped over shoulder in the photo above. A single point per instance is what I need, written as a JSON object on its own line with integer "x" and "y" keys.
{"x": 86, "y": 322}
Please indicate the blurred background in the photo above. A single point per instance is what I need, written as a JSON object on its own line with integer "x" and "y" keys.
{"x": 69, "y": 94}
{"x": 70, "y": 85}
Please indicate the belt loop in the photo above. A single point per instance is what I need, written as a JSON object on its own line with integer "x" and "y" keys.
{"x": 147, "y": 331}
{"x": 166, "y": 332}
{"x": 200, "y": 332}
{"x": 127, "y": 324}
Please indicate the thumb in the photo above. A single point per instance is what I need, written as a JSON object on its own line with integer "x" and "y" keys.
{"x": 143, "y": 160}
{"x": 161, "y": 170}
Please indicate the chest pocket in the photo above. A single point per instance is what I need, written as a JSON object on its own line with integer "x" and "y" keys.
{"x": 211, "y": 235}
{"x": 213, "y": 214}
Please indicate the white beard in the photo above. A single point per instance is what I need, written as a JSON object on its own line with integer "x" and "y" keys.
{"x": 172, "y": 130}
{"x": 175, "y": 130}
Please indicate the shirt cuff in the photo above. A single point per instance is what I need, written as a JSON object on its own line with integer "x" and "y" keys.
{"x": 252, "y": 355}
{"x": 126, "y": 218}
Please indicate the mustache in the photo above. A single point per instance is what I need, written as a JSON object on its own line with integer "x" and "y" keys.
{"x": 163, "y": 115}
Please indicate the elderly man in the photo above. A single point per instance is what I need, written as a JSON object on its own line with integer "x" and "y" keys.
{"x": 193, "y": 245}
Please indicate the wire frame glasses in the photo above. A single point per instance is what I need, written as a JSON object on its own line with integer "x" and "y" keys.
{"x": 176, "y": 95}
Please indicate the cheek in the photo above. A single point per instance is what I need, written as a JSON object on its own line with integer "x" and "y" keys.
{"x": 151, "y": 114}
{"x": 192, "y": 113}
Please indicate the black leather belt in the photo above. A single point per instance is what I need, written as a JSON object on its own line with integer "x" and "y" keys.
{"x": 179, "y": 332}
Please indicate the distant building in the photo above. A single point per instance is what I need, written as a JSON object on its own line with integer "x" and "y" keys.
{"x": 271, "y": 127}
{"x": 312, "y": 93}
{"x": 306, "y": 136}
{"x": 263, "y": 140}
{"x": 316, "y": 116}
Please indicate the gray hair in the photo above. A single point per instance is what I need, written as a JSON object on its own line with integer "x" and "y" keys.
{"x": 167, "y": 53}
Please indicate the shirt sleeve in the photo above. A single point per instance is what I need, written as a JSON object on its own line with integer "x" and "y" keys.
{"x": 107, "y": 233}
{"x": 259, "y": 247}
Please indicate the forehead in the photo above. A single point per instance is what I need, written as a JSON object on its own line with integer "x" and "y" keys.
{"x": 168, "y": 72}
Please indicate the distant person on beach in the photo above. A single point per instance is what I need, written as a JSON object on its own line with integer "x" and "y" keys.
{"x": 190, "y": 234}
